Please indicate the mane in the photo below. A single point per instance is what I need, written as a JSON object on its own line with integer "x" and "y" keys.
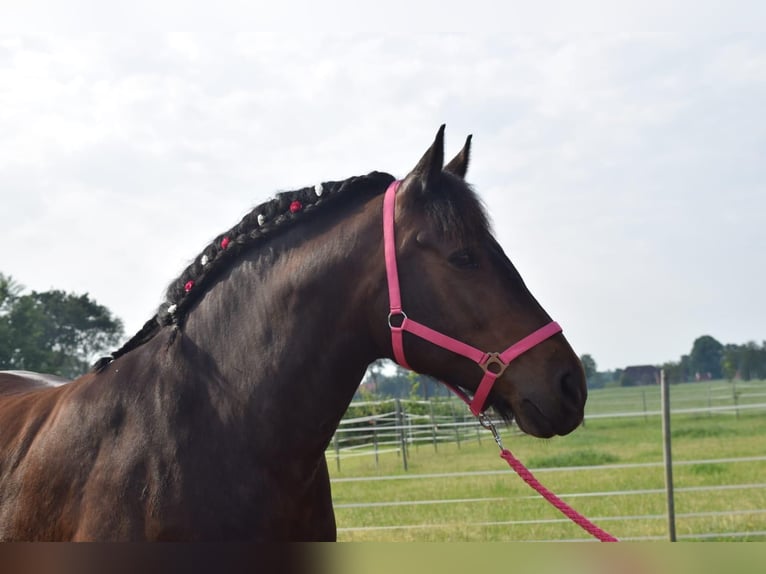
{"x": 254, "y": 230}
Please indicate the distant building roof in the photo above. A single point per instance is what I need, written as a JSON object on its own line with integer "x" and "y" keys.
{"x": 641, "y": 375}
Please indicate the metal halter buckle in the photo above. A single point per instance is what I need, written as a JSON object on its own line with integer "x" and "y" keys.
{"x": 494, "y": 364}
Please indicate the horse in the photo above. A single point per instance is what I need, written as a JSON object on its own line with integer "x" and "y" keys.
{"x": 211, "y": 423}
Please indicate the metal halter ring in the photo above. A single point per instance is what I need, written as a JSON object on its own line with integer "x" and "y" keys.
{"x": 396, "y": 314}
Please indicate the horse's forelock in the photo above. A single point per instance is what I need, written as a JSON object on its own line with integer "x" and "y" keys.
{"x": 456, "y": 211}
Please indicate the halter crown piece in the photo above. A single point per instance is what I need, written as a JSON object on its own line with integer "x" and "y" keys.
{"x": 493, "y": 364}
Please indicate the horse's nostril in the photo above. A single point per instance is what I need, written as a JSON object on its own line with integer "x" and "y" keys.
{"x": 571, "y": 386}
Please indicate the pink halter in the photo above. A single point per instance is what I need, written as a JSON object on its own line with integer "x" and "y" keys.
{"x": 493, "y": 364}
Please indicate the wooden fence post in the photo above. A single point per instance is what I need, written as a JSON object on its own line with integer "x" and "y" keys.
{"x": 337, "y": 450}
{"x": 433, "y": 425}
{"x": 454, "y": 421}
{"x": 402, "y": 437}
{"x": 643, "y": 396}
{"x": 668, "y": 457}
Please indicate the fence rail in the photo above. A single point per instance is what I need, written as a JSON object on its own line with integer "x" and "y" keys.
{"x": 598, "y": 519}
{"x": 365, "y": 435}
{"x": 410, "y": 425}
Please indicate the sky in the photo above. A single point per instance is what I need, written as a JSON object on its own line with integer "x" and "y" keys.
{"x": 619, "y": 149}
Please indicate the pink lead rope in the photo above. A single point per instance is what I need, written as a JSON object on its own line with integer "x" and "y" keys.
{"x": 527, "y": 476}
{"x": 493, "y": 364}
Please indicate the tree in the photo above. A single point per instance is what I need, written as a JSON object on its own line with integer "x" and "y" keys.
{"x": 375, "y": 373}
{"x": 592, "y": 376}
{"x": 414, "y": 380}
{"x": 52, "y": 331}
{"x": 386, "y": 379}
{"x": 686, "y": 369}
{"x": 9, "y": 290}
{"x": 705, "y": 358}
{"x": 672, "y": 372}
{"x": 746, "y": 361}
{"x": 678, "y": 372}
{"x": 588, "y": 365}
{"x": 731, "y": 362}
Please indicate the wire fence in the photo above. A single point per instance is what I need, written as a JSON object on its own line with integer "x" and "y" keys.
{"x": 728, "y": 513}
{"x": 399, "y": 425}
{"x": 398, "y": 428}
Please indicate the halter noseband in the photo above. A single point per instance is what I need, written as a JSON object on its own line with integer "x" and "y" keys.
{"x": 493, "y": 364}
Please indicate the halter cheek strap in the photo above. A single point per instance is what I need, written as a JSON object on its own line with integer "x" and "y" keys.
{"x": 493, "y": 364}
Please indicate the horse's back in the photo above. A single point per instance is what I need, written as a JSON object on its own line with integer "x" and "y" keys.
{"x": 13, "y": 382}
{"x": 29, "y": 405}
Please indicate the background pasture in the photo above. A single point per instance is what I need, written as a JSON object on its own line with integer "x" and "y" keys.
{"x": 611, "y": 470}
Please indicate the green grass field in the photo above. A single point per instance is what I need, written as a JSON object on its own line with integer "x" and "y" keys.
{"x": 471, "y": 494}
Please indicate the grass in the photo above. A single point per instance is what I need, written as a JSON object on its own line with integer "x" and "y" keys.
{"x": 575, "y": 458}
{"x": 495, "y": 505}
{"x": 707, "y": 431}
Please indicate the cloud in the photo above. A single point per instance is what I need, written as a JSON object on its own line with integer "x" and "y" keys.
{"x": 620, "y": 170}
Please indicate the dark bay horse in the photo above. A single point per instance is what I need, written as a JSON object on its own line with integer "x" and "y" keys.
{"x": 211, "y": 423}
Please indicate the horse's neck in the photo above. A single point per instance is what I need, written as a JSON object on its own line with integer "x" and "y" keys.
{"x": 286, "y": 332}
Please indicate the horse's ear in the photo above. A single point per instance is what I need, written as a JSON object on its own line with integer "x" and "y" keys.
{"x": 459, "y": 164}
{"x": 429, "y": 168}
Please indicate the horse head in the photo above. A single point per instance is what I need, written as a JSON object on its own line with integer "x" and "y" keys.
{"x": 456, "y": 284}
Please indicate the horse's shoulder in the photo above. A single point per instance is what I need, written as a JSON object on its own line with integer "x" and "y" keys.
{"x": 13, "y": 382}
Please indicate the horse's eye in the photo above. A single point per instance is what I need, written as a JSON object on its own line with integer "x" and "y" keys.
{"x": 463, "y": 259}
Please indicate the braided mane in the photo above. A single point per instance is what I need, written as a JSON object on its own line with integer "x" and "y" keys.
{"x": 255, "y": 229}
